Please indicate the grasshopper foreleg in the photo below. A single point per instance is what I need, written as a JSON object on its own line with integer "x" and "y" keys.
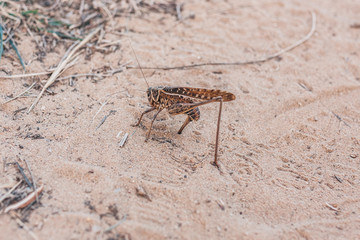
{"x": 145, "y": 112}
{"x": 148, "y": 133}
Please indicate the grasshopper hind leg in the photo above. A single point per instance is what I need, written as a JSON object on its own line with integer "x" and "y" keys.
{"x": 193, "y": 115}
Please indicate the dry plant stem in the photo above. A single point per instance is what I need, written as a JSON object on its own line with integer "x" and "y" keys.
{"x": 82, "y": 4}
{"x": 118, "y": 135}
{"x": 115, "y": 225}
{"x": 107, "y": 74}
{"x": 26, "y": 201}
{"x": 102, "y": 122}
{"x": 25, "y": 75}
{"x": 6, "y": 195}
{"x": 104, "y": 119}
{"x": 331, "y": 207}
{"x": 19, "y": 95}
{"x": 340, "y": 119}
{"x": 123, "y": 140}
{"x": 32, "y": 177}
{"x": 62, "y": 65}
{"x": 21, "y": 170}
{"x": 102, "y": 105}
{"x": 260, "y": 60}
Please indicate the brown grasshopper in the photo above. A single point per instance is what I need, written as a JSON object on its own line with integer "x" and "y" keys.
{"x": 184, "y": 100}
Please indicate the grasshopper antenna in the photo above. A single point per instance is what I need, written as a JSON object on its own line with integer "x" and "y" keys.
{"x": 139, "y": 66}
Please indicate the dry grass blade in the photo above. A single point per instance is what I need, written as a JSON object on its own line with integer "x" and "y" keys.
{"x": 6, "y": 195}
{"x": 32, "y": 178}
{"x": 62, "y": 65}
{"x": 102, "y": 105}
{"x": 25, "y": 75}
{"x": 20, "y": 94}
{"x": 115, "y": 225}
{"x": 26, "y": 201}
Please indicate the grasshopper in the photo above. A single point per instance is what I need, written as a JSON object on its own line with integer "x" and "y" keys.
{"x": 183, "y": 100}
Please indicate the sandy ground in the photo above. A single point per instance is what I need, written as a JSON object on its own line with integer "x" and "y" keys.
{"x": 290, "y": 144}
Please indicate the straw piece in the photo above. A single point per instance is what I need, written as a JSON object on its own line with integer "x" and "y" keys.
{"x": 123, "y": 140}
{"x": 62, "y": 65}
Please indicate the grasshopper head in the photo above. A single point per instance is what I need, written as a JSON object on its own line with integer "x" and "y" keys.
{"x": 153, "y": 94}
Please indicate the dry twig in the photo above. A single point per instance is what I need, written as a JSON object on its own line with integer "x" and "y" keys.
{"x": 32, "y": 178}
{"x": 20, "y": 94}
{"x": 331, "y": 206}
{"x": 6, "y": 195}
{"x": 123, "y": 140}
{"x": 116, "y": 224}
{"x": 25, "y": 75}
{"x": 260, "y": 60}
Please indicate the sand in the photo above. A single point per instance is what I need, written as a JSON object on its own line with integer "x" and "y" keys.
{"x": 289, "y": 143}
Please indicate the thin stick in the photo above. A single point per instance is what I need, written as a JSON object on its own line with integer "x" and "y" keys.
{"x": 331, "y": 207}
{"x": 61, "y": 66}
{"x": 107, "y": 74}
{"x": 340, "y": 119}
{"x": 102, "y": 105}
{"x": 178, "y": 11}
{"x": 104, "y": 119}
{"x": 25, "y": 75}
{"x": 20, "y": 94}
{"x": 82, "y": 4}
{"x": 260, "y": 60}
{"x": 21, "y": 170}
{"x": 6, "y": 195}
{"x": 26, "y": 201}
{"x": 102, "y": 122}
{"x": 123, "y": 140}
{"x": 116, "y": 224}
{"x": 118, "y": 135}
{"x": 32, "y": 178}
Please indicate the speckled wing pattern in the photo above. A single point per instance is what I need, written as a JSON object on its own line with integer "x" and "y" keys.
{"x": 200, "y": 93}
